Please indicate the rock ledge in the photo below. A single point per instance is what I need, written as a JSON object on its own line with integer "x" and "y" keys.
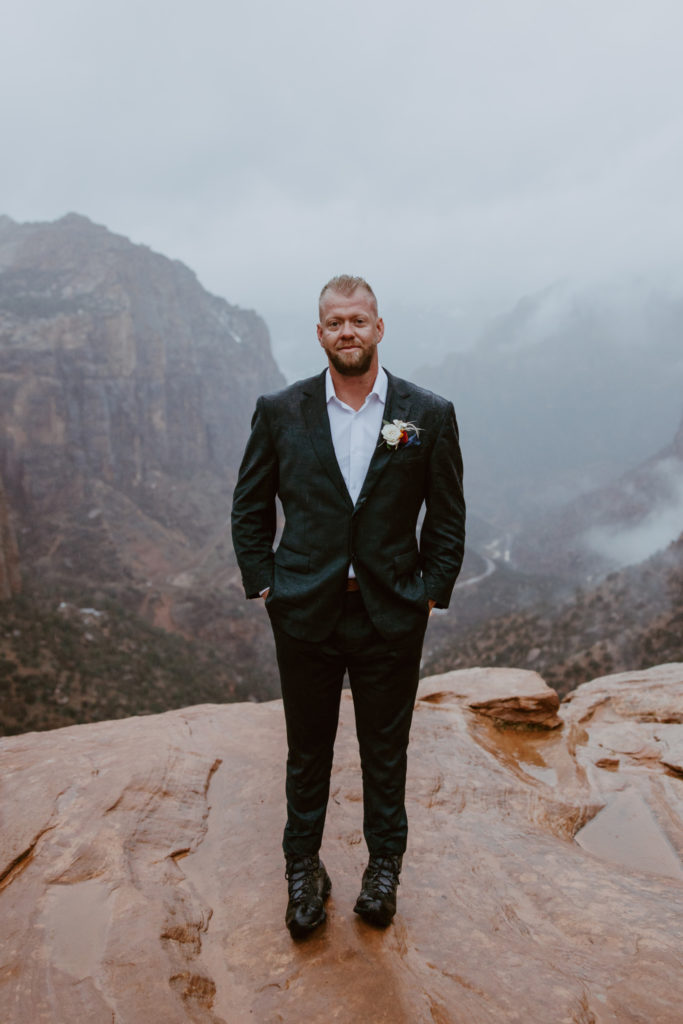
{"x": 141, "y": 878}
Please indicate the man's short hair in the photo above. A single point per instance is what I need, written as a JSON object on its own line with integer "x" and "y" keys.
{"x": 345, "y": 284}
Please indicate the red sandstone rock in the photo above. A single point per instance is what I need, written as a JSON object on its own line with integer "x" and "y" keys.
{"x": 510, "y": 695}
{"x": 142, "y": 880}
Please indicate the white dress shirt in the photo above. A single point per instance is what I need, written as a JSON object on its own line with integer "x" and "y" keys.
{"x": 355, "y": 433}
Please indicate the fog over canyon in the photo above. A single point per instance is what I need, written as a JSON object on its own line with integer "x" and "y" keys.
{"x": 545, "y": 871}
{"x": 126, "y": 393}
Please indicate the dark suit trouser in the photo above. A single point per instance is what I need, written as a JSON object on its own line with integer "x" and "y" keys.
{"x": 383, "y": 676}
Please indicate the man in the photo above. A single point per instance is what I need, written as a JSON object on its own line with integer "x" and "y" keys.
{"x": 352, "y": 454}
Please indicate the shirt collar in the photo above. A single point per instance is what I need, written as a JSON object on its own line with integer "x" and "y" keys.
{"x": 379, "y": 388}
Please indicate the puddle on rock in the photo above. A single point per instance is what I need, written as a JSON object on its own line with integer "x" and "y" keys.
{"x": 626, "y": 831}
{"x": 530, "y": 751}
{"x": 76, "y": 919}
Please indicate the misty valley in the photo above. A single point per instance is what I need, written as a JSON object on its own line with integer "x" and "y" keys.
{"x": 126, "y": 393}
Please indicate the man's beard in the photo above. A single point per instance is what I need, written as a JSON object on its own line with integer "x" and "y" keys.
{"x": 355, "y": 369}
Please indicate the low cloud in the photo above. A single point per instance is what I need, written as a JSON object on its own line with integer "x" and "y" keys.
{"x": 662, "y": 525}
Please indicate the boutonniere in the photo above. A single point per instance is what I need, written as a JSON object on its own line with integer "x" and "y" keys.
{"x": 399, "y": 434}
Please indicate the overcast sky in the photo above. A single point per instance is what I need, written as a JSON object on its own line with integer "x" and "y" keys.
{"x": 457, "y": 154}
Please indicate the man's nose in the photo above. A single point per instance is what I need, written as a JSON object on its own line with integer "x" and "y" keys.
{"x": 347, "y": 329}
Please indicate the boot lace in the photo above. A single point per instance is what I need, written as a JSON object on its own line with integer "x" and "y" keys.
{"x": 381, "y": 876}
{"x": 300, "y": 876}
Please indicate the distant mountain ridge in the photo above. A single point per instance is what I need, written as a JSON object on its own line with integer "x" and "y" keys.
{"x": 117, "y": 366}
{"x": 631, "y": 620}
{"x": 618, "y": 524}
{"x": 126, "y": 392}
{"x": 566, "y": 390}
{"x": 564, "y": 603}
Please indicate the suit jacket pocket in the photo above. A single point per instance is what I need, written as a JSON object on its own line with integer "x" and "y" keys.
{"x": 405, "y": 563}
{"x": 296, "y": 560}
{"x": 408, "y": 460}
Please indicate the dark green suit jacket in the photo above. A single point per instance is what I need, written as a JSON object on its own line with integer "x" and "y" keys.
{"x": 290, "y": 454}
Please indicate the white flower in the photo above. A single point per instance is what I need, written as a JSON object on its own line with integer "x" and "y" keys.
{"x": 400, "y": 434}
{"x": 391, "y": 432}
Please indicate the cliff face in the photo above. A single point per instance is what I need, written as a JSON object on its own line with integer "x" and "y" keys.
{"x": 122, "y": 382}
{"x": 126, "y": 392}
{"x": 141, "y": 876}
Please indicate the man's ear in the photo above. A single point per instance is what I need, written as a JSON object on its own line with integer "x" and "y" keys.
{"x": 319, "y": 332}
{"x": 380, "y": 329}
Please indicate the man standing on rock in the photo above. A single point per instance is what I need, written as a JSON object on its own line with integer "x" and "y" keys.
{"x": 353, "y": 454}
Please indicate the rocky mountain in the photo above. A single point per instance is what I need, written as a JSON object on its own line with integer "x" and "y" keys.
{"x": 125, "y": 397}
{"x": 574, "y": 593}
{"x": 620, "y": 523}
{"x": 632, "y": 619}
{"x": 126, "y": 392}
{"x": 124, "y": 384}
{"x": 565, "y": 391}
{"x": 141, "y": 875}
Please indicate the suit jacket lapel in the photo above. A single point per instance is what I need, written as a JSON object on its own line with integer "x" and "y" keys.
{"x": 396, "y": 408}
{"x": 314, "y": 410}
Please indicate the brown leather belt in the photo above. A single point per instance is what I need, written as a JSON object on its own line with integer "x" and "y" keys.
{"x": 352, "y": 583}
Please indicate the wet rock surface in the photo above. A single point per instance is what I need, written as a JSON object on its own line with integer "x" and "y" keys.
{"x": 142, "y": 880}
{"x": 508, "y": 695}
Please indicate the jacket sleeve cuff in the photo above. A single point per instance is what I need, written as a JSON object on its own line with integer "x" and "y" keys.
{"x": 440, "y": 595}
{"x": 255, "y": 587}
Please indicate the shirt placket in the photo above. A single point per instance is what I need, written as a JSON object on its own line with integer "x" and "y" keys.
{"x": 356, "y": 454}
